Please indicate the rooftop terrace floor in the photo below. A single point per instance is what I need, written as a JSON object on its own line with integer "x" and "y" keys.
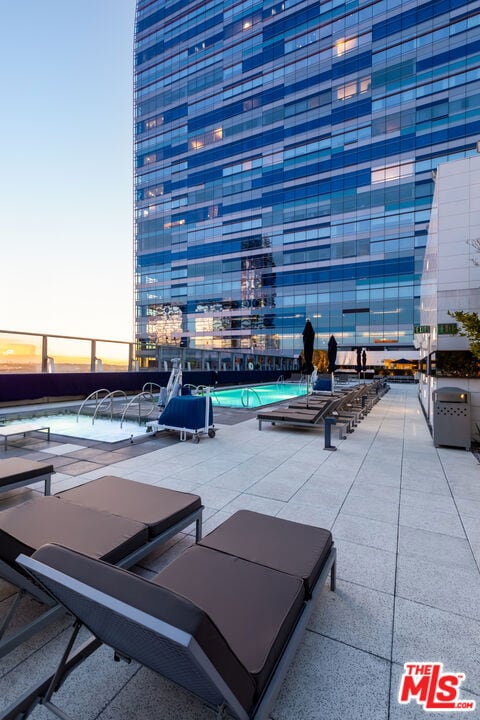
{"x": 405, "y": 520}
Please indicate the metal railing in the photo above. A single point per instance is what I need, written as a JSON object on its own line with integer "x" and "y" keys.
{"x": 151, "y": 387}
{"x": 142, "y": 399}
{"x": 27, "y": 352}
{"x": 107, "y": 405}
{"x": 94, "y": 396}
{"x": 246, "y": 392}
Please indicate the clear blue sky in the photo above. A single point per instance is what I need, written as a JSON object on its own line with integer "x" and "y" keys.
{"x": 66, "y": 167}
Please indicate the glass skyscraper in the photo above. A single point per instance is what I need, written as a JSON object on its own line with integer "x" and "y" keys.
{"x": 284, "y": 161}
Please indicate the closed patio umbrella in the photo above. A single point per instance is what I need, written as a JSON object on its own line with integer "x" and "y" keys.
{"x": 332, "y": 357}
{"x": 308, "y": 340}
{"x": 359, "y": 360}
{"x": 332, "y": 354}
{"x": 364, "y": 363}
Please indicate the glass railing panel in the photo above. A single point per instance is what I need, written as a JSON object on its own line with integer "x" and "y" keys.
{"x": 111, "y": 356}
{"x": 68, "y": 354}
{"x": 20, "y": 353}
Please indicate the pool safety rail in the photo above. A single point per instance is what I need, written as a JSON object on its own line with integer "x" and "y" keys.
{"x": 116, "y": 405}
{"x": 247, "y": 393}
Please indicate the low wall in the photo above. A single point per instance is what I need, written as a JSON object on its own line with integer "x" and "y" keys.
{"x": 52, "y": 387}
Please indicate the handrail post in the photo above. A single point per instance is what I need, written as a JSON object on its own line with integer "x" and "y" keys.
{"x": 45, "y": 353}
{"x": 93, "y": 352}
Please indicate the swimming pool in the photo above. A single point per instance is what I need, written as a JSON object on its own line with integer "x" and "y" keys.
{"x": 102, "y": 430}
{"x": 257, "y": 395}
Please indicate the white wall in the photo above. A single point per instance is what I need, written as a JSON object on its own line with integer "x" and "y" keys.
{"x": 451, "y": 279}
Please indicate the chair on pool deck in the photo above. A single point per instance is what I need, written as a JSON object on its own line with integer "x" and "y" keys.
{"x": 223, "y": 620}
{"x": 18, "y": 472}
{"x": 349, "y": 407}
{"x": 117, "y": 520}
{"x": 308, "y": 417}
{"x": 293, "y": 416}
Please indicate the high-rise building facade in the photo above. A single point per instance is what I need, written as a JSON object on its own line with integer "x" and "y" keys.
{"x": 284, "y": 161}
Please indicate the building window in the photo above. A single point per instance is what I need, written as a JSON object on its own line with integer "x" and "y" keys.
{"x": 344, "y": 92}
{"x": 344, "y": 45}
{"x": 387, "y": 173}
{"x": 352, "y": 88}
{"x": 215, "y": 135}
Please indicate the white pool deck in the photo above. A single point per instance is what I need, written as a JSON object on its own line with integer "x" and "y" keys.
{"x": 405, "y": 520}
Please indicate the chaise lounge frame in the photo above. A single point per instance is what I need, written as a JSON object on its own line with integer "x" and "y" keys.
{"x": 305, "y": 416}
{"x": 26, "y": 586}
{"x": 17, "y": 472}
{"x": 170, "y": 638}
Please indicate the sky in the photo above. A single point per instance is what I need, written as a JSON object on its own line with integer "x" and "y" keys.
{"x": 66, "y": 177}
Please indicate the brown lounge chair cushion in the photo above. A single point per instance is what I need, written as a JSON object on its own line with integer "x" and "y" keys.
{"x": 156, "y": 507}
{"x": 255, "y": 608}
{"x": 151, "y": 598}
{"x": 290, "y": 547}
{"x": 26, "y": 527}
{"x": 15, "y": 469}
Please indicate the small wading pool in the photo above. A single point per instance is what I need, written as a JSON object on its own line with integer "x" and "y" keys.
{"x": 102, "y": 429}
{"x": 257, "y": 395}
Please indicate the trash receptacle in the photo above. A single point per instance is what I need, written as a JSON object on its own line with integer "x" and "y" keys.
{"x": 451, "y": 417}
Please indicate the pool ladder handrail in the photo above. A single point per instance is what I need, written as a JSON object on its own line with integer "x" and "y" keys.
{"x": 281, "y": 379}
{"x": 203, "y": 391}
{"x": 194, "y": 388}
{"x": 110, "y": 400}
{"x": 211, "y": 392}
{"x": 94, "y": 394}
{"x": 146, "y": 395}
{"x": 149, "y": 387}
{"x": 245, "y": 395}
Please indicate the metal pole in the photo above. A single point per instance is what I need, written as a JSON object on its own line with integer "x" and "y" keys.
{"x": 93, "y": 353}
{"x": 328, "y": 422}
{"x": 44, "y": 353}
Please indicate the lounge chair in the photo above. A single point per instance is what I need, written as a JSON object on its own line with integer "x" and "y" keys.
{"x": 299, "y": 414}
{"x": 223, "y": 620}
{"x": 117, "y": 520}
{"x": 355, "y": 403}
{"x": 351, "y": 406}
{"x": 18, "y": 472}
{"x": 303, "y": 416}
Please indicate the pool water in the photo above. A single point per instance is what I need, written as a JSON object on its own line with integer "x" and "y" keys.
{"x": 106, "y": 430}
{"x": 257, "y": 395}
{"x": 103, "y": 430}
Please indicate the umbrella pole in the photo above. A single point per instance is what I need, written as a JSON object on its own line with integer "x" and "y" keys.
{"x": 333, "y": 383}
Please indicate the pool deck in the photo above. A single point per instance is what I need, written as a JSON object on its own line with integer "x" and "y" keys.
{"x": 405, "y": 520}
